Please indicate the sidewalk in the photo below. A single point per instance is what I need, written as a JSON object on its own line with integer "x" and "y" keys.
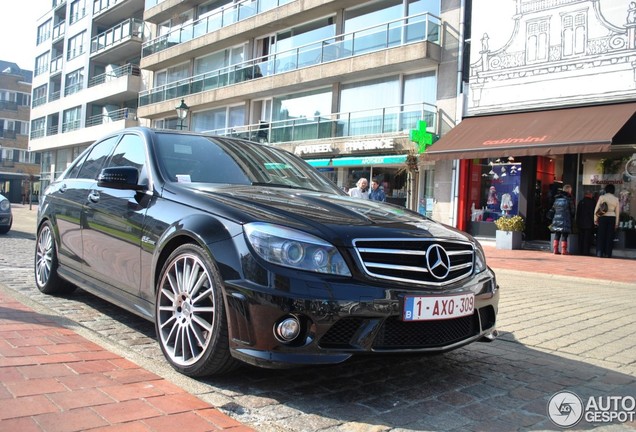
{"x": 53, "y": 380}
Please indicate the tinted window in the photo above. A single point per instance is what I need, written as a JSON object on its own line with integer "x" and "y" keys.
{"x": 129, "y": 152}
{"x": 93, "y": 164}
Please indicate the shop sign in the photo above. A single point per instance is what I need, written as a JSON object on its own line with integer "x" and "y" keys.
{"x": 605, "y": 179}
{"x": 313, "y": 149}
{"x": 369, "y": 145}
{"x": 358, "y": 161}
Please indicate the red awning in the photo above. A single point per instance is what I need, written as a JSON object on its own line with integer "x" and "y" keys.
{"x": 588, "y": 129}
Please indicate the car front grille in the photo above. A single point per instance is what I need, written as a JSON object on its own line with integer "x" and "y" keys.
{"x": 419, "y": 261}
{"x": 395, "y": 334}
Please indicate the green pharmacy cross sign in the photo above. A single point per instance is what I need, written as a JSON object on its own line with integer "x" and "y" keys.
{"x": 423, "y": 138}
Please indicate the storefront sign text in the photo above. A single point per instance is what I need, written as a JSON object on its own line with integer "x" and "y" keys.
{"x": 528, "y": 139}
{"x": 369, "y": 145}
{"x": 313, "y": 149}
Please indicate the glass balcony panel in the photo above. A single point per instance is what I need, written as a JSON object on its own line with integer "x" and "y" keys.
{"x": 199, "y": 28}
{"x": 247, "y": 9}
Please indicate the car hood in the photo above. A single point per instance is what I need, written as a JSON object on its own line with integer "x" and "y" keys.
{"x": 337, "y": 218}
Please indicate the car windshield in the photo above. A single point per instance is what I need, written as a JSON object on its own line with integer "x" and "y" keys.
{"x": 218, "y": 160}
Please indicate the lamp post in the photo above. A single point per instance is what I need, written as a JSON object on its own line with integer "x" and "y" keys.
{"x": 182, "y": 113}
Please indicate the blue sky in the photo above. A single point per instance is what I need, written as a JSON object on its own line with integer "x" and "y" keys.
{"x": 18, "y": 30}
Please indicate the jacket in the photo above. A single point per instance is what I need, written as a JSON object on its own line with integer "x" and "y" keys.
{"x": 613, "y": 206}
{"x": 585, "y": 213}
{"x": 563, "y": 213}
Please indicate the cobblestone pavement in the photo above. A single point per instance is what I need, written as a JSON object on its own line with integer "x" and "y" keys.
{"x": 557, "y": 333}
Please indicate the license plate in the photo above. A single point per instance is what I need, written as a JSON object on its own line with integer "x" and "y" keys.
{"x": 418, "y": 308}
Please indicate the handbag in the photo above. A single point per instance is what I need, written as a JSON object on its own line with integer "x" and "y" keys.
{"x": 602, "y": 209}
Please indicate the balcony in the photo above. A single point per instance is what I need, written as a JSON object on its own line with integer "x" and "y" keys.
{"x": 381, "y": 121}
{"x": 226, "y": 16}
{"x": 56, "y": 65}
{"x": 108, "y": 12}
{"x": 114, "y": 116}
{"x": 115, "y": 86}
{"x": 121, "y": 41}
{"x": 418, "y": 28}
{"x": 58, "y": 30}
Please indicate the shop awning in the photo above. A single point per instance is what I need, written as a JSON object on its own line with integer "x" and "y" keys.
{"x": 588, "y": 129}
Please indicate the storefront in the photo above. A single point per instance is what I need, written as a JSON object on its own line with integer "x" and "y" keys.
{"x": 388, "y": 170}
{"x": 515, "y": 163}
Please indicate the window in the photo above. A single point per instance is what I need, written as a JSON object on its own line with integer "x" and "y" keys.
{"x": 219, "y": 120}
{"x": 71, "y": 119}
{"x": 75, "y": 46}
{"x": 44, "y": 32}
{"x": 78, "y": 10}
{"x": 537, "y": 42}
{"x": 74, "y": 82}
{"x": 172, "y": 74}
{"x": 129, "y": 152}
{"x": 39, "y": 95}
{"x": 94, "y": 161}
{"x": 574, "y": 34}
{"x": 41, "y": 64}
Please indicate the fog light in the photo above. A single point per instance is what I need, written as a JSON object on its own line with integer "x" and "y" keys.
{"x": 287, "y": 330}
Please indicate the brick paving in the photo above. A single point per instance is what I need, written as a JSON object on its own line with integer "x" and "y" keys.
{"x": 53, "y": 380}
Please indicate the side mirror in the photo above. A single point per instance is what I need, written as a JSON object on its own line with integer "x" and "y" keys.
{"x": 126, "y": 177}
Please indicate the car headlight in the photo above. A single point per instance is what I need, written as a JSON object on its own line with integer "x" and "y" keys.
{"x": 480, "y": 259}
{"x": 5, "y": 205}
{"x": 291, "y": 248}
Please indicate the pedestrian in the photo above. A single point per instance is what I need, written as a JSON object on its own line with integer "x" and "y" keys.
{"x": 361, "y": 190}
{"x": 607, "y": 222}
{"x": 376, "y": 193}
{"x": 585, "y": 222}
{"x": 561, "y": 225}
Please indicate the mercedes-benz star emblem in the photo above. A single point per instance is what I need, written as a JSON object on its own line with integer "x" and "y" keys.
{"x": 437, "y": 261}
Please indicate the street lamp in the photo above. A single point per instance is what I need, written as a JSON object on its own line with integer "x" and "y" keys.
{"x": 182, "y": 113}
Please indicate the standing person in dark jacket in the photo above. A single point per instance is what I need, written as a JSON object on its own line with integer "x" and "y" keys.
{"x": 376, "y": 193}
{"x": 563, "y": 217}
{"x": 585, "y": 222}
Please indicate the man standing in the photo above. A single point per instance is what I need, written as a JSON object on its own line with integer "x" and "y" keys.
{"x": 376, "y": 193}
{"x": 361, "y": 190}
{"x": 585, "y": 222}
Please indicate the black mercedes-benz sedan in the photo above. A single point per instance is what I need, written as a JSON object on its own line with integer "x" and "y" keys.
{"x": 242, "y": 252}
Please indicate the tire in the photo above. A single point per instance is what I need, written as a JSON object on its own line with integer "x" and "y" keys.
{"x": 5, "y": 229}
{"x": 46, "y": 277}
{"x": 190, "y": 317}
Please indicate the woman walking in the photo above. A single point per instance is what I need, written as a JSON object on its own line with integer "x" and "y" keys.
{"x": 562, "y": 221}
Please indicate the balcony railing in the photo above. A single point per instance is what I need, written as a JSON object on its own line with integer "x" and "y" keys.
{"x": 73, "y": 88}
{"x": 8, "y": 134}
{"x": 152, "y": 3}
{"x": 388, "y": 120}
{"x": 53, "y": 96}
{"x": 225, "y": 16}
{"x": 130, "y": 28}
{"x": 56, "y": 64}
{"x": 70, "y": 126}
{"x": 121, "y": 71}
{"x": 59, "y": 29}
{"x": 113, "y": 116}
{"x": 37, "y": 133}
{"x": 407, "y": 30}
{"x": 39, "y": 101}
{"x": 8, "y": 105}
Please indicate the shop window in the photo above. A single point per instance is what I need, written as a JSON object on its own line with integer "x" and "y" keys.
{"x": 494, "y": 189}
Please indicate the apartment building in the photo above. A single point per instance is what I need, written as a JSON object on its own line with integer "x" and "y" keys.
{"x": 18, "y": 167}
{"x": 86, "y": 81}
{"x": 342, "y": 83}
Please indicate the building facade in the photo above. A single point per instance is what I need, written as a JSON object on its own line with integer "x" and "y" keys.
{"x": 19, "y": 169}
{"x": 86, "y": 81}
{"x": 551, "y": 100}
{"x": 340, "y": 83}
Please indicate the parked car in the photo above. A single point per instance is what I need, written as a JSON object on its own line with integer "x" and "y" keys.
{"x": 6, "y": 215}
{"x": 242, "y": 252}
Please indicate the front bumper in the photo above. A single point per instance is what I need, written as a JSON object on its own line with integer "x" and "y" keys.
{"x": 340, "y": 320}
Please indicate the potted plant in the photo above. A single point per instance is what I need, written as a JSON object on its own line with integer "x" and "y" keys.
{"x": 509, "y": 231}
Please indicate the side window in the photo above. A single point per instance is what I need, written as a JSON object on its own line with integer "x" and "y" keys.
{"x": 93, "y": 163}
{"x": 75, "y": 169}
{"x": 129, "y": 152}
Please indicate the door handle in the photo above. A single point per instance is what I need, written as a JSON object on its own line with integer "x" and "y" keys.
{"x": 93, "y": 196}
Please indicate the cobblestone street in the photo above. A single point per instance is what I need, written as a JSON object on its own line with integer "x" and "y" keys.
{"x": 556, "y": 333}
